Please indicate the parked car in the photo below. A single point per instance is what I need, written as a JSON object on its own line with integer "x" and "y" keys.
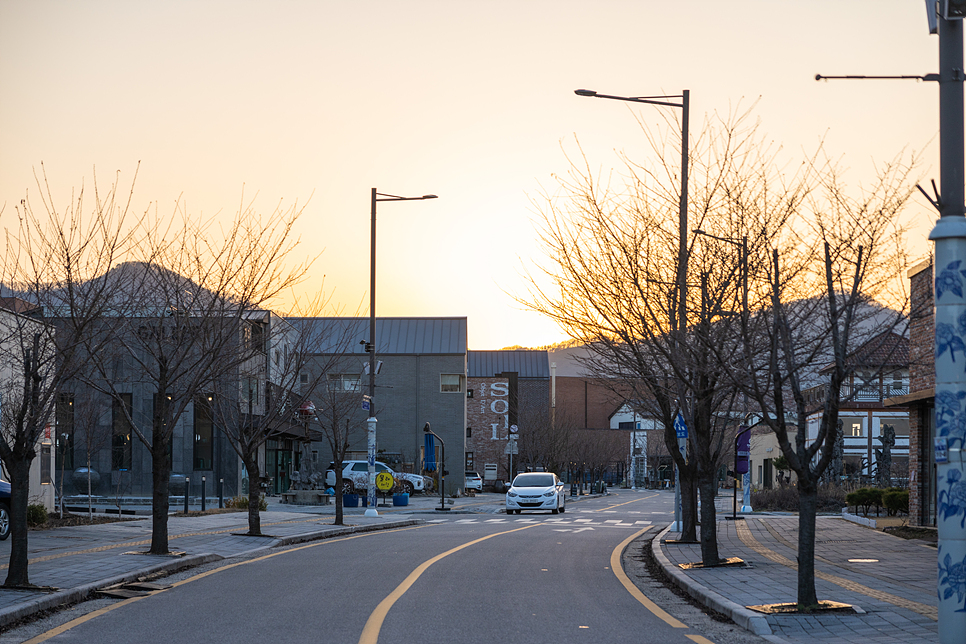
{"x": 355, "y": 476}
{"x": 4, "y": 510}
{"x": 473, "y": 482}
{"x": 536, "y": 491}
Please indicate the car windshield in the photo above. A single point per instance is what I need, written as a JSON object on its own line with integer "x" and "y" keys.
{"x": 533, "y": 480}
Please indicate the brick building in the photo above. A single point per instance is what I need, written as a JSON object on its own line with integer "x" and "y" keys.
{"x": 504, "y": 389}
{"x": 920, "y": 399}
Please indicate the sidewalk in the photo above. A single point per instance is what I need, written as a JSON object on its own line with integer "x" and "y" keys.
{"x": 73, "y": 561}
{"x": 890, "y": 581}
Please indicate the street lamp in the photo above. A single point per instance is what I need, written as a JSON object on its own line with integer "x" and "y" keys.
{"x": 440, "y": 466}
{"x": 371, "y": 421}
{"x": 684, "y": 96}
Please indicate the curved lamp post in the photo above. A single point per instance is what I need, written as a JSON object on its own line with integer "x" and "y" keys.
{"x": 439, "y": 466}
{"x": 371, "y": 348}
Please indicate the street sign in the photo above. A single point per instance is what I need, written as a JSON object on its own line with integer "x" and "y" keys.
{"x": 366, "y": 402}
{"x": 514, "y": 429}
{"x": 384, "y": 481}
{"x": 511, "y": 448}
{"x": 941, "y": 450}
{"x": 680, "y": 427}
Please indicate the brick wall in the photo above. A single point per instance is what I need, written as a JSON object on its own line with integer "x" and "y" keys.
{"x": 922, "y": 377}
{"x": 488, "y": 424}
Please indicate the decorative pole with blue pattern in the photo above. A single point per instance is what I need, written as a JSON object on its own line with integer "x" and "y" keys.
{"x": 950, "y": 319}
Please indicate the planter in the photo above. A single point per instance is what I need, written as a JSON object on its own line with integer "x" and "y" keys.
{"x": 350, "y": 500}
{"x": 400, "y": 499}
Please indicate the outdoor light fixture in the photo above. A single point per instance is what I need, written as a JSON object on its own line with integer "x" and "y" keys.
{"x": 371, "y": 348}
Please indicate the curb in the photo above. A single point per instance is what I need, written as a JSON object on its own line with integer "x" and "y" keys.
{"x": 743, "y": 617}
{"x": 81, "y": 593}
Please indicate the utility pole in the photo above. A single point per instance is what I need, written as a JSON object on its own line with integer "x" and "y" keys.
{"x": 950, "y": 307}
{"x": 946, "y": 19}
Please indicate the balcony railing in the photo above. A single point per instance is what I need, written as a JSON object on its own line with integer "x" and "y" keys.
{"x": 868, "y": 393}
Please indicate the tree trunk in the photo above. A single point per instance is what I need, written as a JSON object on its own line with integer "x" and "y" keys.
{"x": 337, "y": 468}
{"x": 709, "y": 541}
{"x": 254, "y": 495}
{"x": 807, "y": 504}
{"x": 159, "y": 505}
{"x": 19, "y": 497}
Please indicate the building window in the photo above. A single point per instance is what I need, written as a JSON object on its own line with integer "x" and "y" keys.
{"x": 121, "y": 410}
{"x": 249, "y": 391}
{"x": 469, "y": 432}
{"x": 900, "y": 425}
{"x": 852, "y": 427}
{"x": 65, "y": 433}
{"x": 343, "y": 382}
{"x": 451, "y": 383}
{"x": 469, "y": 461}
{"x": 304, "y": 378}
{"x": 204, "y": 433}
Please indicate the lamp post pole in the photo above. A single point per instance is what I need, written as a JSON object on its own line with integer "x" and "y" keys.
{"x": 371, "y": 347}
{"x": 439, "y": 466}
{"x": 950, "y": 307}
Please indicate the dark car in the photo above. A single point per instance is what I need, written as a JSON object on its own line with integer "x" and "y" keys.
{"x": 4, "y": 510}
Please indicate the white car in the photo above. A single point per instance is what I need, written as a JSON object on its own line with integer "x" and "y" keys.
{"x": 536, "y": 491}
{"x": 355, "y": 476}
{"x": 473, "y": 481}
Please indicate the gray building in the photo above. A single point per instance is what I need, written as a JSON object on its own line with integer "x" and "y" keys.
{"x": 421, "y": 379}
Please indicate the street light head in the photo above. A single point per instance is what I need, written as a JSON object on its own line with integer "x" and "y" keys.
{"x": 585, "y": 92}
{"x": 698, "y": 231}
{"x": 426, "y": 429}
{"x": 430, "y": 197}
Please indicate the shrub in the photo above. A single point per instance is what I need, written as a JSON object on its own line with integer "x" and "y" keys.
{"x": 241, "y": 503}
{"x": 896, "y": 501}
{"x": 831, "y": 498}
{"x": 865, "y": 498}
{"x": 36, "y": 514}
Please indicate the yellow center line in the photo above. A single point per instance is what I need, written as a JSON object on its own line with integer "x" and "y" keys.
{"x": 63, "y": 628}
{"x": 615, "y": 565}
{"x": 932, "y": 612}
{"x": 370, "y": 632}
{"x": 609, "y": 507}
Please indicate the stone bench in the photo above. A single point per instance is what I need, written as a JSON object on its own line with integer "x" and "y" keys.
{"x": 306, "y": 497}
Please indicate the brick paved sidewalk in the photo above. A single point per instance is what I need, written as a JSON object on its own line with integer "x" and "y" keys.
{"x": 891, "y": 580}
{"x": 77, "y": 560}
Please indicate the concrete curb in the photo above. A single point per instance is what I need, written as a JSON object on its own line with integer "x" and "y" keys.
{"x": 81, "y": 593}
{"x": 743, "y": 617}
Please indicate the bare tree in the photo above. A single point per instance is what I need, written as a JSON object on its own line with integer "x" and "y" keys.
{"x": 612, "y": 265}
{"x": 53, "y": 271}
{"x": 294, "y": 369}
{"x": 338, "y": 401}
{"x": 188, "y": 320}
{"x": 827, "y": 293}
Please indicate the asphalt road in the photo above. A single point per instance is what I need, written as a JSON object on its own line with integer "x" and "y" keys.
{"x": 471, "y": 579}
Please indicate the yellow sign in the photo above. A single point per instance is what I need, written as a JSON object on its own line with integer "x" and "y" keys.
{"x": 384, "y": 481}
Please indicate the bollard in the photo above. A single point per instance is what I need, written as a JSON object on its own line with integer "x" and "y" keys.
{"x": 221, "y": 493}
{"x": 187, "y": 486}
{"x": 202, "y": 493}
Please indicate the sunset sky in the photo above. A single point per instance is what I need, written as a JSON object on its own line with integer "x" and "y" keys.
{"x": 320, "y": 101}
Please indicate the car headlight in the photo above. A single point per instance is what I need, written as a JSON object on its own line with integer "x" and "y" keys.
{"x": 550, "y": 493}
{"x": 511, "y": 494}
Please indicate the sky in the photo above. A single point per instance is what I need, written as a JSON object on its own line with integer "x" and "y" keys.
{"x": 317, "y": 102}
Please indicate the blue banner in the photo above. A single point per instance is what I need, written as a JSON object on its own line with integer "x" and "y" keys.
{"x": 430, "y": 453}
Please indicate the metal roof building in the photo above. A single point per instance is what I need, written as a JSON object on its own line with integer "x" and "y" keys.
{"x": 399, "y": 336}
{"x": 526, "y": 364}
